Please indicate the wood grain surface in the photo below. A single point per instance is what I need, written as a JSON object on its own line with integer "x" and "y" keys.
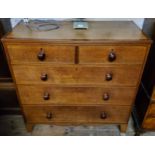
{"x": 32, "y": 94}
{"x": 82, "y": 75}
{"x": 66, "y": 76}
{"x": 103, "y": 30}
{"x": 29, "y": 53}
{"x": 77, "y": 115}
{"x": 124, "y": 54}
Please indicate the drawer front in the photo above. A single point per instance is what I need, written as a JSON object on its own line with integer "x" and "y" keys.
{"x": 21, "y": 54}
{"x": 75, "y": 95}
{"x": 77, "y": 115}
{"x": 112, "y": 54}
{"x": 106, "y": 75}
{"x": 149, "y": 121}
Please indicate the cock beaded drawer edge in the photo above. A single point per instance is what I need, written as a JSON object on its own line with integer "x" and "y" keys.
{"x": 77, "y": 77}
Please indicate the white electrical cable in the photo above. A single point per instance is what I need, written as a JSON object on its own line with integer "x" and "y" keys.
{"x": 41, "y": 25}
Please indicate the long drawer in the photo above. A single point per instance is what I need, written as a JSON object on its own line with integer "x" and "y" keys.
{"x": 77, "y": 115}
{"x": 112, "y": 54}
{"x": 122, "y": 75}
{"x": 54, "y": 95}
{"x": 38, "y": 53}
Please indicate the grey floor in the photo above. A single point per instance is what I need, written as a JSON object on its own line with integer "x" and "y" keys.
{"x": 13, "y": 125}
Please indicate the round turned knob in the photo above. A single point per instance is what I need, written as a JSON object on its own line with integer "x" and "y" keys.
{"x": 112, "y": 56}
{"x": 106, "y": 96}
{"x": 108, "y": 76}
{"x": 103, "y": 115}
{"x": 41, "y": 55}
{"x": 49, "y": 115}
{"x": 46, "y": 96}
{"x": 43, "y": 77}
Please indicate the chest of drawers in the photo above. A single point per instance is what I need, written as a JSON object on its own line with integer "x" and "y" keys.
{"x": 74, "y": 77}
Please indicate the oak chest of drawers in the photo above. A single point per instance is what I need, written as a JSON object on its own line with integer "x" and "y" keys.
{"x": 74, "y": 77}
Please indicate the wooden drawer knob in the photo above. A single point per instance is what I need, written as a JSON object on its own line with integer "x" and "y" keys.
{"x": 103, "y": 115}
{"x": 41, "y": 55}
{"x": 106, "y": 96}
{"x": 112, "y": 56}
{"x": 44, "y": 77}
{"x": 49, "y": 115}
{"x": 46, "y": 96}
{"x": 108, "y": 77}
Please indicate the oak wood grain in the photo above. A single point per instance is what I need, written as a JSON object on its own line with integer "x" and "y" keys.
{"x": 122, "y": 75}
{"x": 72, "y": 80}
{"x": 77, "y": 115}
{"x": 98, "y": 31}
{"x": 124, "y": 54}
{"x": 32, "y": 94}
{"x": 53, "y": 54}
{"x": 123, "y": 127}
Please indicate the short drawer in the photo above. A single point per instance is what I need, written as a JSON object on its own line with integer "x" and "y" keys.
{"x": 77, "y": 114}
{"x": 54, "y": 95}
{"x": 30, "y": 53}
{"x": 112, "y": 54}
{"x": 127, "y": 75}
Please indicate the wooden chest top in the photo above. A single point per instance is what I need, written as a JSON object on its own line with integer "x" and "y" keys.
{"x": 103, "y": 31}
